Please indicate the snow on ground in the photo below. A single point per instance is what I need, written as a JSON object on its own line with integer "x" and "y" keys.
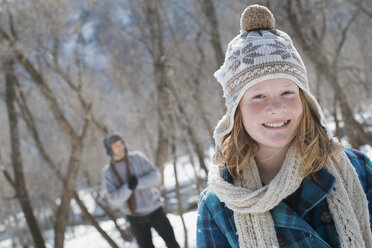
{"x": 185, "y": 172}
{"x": 87, "y": 236}
{"x": 5, "y": 243}
{"x": 367, "y": 149}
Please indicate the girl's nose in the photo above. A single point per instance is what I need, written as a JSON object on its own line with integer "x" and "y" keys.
{"x": 274, "y": 106}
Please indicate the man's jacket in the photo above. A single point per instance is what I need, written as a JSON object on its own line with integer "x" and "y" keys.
{"x": 146, "y": 195}
{"x": 311, "y": 225}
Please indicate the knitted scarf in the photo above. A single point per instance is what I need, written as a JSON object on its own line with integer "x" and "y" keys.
{"x": 251, "y": 202}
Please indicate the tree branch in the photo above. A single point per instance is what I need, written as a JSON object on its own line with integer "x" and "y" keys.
{"x": 50, "y": 97}
{"x": 31, "y": 126}
{"x": 9, "y": 178}
{"x": 344, "y": 37}
{"x": 11, "y": 22}
{"x": 363, "y": 9}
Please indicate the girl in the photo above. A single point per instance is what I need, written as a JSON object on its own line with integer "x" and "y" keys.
{"x": 280, "y": 178}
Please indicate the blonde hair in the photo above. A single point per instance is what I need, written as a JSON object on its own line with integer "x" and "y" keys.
{"x": 311, "y": 139}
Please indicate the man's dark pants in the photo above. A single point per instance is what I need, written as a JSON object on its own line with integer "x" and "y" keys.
{"x": 141, "y": 228}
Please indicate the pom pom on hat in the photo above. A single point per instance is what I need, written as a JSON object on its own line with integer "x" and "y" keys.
{"x": 257, "y": 17}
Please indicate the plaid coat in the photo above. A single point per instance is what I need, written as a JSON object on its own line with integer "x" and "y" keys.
{"x": 311, "y": 225}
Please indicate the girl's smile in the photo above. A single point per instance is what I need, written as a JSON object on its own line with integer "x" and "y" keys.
{"x": 276, "y": 125}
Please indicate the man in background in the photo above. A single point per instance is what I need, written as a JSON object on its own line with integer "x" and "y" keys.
{"x": 130, "y": 181}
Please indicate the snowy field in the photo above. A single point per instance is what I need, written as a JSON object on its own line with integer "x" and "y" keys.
{"x": 87, "y": 236}
{"x": 366, "y": 149}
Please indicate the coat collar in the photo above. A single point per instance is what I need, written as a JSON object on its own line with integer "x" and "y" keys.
{"x": 315, "y": 188}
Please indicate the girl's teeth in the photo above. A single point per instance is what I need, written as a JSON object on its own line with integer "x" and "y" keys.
{"x": 276, "y": 124}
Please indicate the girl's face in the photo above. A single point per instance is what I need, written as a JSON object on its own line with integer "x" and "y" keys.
{"x": 271, "y": 111}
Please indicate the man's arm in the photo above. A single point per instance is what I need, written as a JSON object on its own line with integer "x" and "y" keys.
{"x": 151, "y": 176}
{"x": 117, "y": 196}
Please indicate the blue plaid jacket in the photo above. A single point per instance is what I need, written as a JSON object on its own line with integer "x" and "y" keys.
{"x": 311, "y": 225}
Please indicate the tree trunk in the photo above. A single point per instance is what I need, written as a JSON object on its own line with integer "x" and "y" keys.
{"x": 186, "y": 125}
{"x": 67, "y": 193}
{"x": 354, "y": 129}
{"x": 19, "y": 182}
{"x": 179, "y": 197}
{"x": 155, "y": 25}
{"x": 76, "y": 149}
{"x": 210, "y": 14}
{"x": 202, "y": 113}
{"x": 191, "y": 156}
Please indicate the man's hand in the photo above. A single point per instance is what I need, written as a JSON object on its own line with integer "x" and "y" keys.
{"x": 132, "y": 183}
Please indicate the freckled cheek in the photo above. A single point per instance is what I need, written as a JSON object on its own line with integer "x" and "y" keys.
{"x": 252, "y": 115}
{"x": 295, "y": 106}
{"x": 256, "y": 108}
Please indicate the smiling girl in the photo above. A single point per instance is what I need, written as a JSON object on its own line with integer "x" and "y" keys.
{"x": 280, "y": 178}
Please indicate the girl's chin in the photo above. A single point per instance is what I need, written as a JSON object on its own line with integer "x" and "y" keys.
{"x": 275, "y": 145}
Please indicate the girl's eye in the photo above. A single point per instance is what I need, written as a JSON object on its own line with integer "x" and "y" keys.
{"x": 288, "y": 92}
{"x": 259, "y": 96}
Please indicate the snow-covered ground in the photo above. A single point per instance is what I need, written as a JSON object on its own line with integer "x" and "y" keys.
{"x": 366, "y": 149}
{"x": 87, "y": 236}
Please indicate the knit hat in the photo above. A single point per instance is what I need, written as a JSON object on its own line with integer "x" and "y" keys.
{"x": 109, "y": 140}
{"x": 259, "y": 52}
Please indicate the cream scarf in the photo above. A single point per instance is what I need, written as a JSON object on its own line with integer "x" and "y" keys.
{"x": 251, "y": 202}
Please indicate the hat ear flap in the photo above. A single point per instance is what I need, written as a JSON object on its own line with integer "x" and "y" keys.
{"x": 107, "y": 147}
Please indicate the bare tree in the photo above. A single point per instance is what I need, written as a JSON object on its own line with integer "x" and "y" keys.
{"x": 76, "y": 137}
{"x": 311, "y": 37}
{"x": 210, "y": 14}
{"x": 31, "y": 125}
{"x": 179, "y": 198}
{"x": 18, "y": 182}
